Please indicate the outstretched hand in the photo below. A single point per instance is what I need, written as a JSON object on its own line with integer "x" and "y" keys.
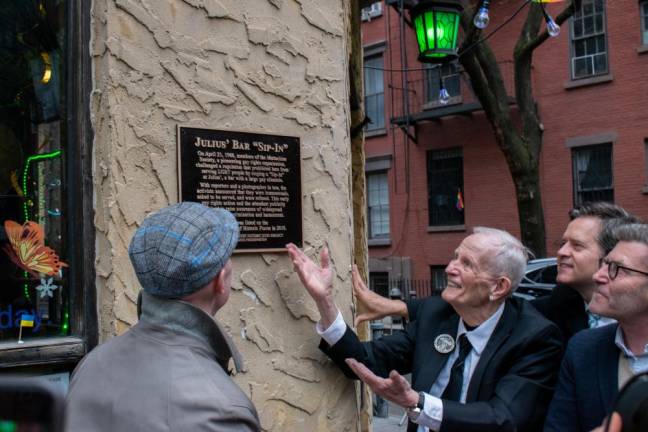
{"x": 373, "y": 306}
{"x": 394, "y": 388}
{"x": 318, "y": 280}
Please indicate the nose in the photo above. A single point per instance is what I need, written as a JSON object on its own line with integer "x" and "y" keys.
{"x": 564, "y": 250}
{"x": 601, "y": 276}
{"x": 451, "y": 268}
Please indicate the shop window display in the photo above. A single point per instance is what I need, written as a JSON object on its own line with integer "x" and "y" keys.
{"x": 33, "y": 264}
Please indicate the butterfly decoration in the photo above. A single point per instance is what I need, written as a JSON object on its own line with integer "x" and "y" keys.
{"x": 27, "y": 249}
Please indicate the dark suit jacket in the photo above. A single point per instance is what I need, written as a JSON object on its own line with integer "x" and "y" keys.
{"x": 511, "y": 386}
{"x": 564, "y": 307}
{"x": 588, "y": 382}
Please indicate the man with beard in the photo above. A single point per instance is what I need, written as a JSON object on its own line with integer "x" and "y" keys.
{"x": 600, "y": 361}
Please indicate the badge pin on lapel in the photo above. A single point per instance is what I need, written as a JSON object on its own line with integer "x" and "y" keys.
{"x": 444, "y": 343}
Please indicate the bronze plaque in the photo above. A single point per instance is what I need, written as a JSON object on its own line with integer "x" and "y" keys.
{"x": 255, "y": 176}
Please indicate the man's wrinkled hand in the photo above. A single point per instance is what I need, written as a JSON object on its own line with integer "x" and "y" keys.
{"x": 372, "y": 306}
{"x": 394, "y": 388}
{"x": 318, "y": 280}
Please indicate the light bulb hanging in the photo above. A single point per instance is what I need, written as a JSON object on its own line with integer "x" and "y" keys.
{"x": 444, "y": 96}
{"x": 481, "y": 17}
{"x": 552, "y": 28}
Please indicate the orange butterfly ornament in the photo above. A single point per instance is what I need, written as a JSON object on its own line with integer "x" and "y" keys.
{"x": 27, "y": 249}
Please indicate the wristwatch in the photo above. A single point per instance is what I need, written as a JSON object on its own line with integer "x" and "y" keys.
{"x": 414, "y": 412}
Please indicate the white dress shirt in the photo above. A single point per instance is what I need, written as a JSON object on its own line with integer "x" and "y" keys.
{"x": 638, "y": 363}
{"x": 595, "y": 320}
{"x": 432, "y": 413}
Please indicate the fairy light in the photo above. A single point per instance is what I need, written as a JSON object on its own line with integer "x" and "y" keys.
{"x": 26, "y": 202}
{"x": 66, "y": 323}
{"x": 31, "y": 159}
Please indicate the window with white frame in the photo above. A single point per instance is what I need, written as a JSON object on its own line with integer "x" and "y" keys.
{"x": 589, "y": 56}
{"x": 592, "y": 174}
{"x": 378, "y": 205}
{"x": 446, "y": 73}
{"x": 372, "y": 11}
{"x": 643, "y": 5}
{"x": 374, "y": 87}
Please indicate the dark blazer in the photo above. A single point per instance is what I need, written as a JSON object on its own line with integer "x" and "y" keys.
{"x": 564, "y": 307}
{"x": 511, "y": 386}
{"x": 588, "y": 382}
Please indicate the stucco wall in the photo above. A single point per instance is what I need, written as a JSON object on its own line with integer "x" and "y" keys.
{"x": 268, "y": 66}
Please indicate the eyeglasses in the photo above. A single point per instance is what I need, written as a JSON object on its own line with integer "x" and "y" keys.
{"x": 613, "y": 268}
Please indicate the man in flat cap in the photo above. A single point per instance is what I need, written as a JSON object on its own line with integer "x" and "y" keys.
{"x": 170, "y": 371}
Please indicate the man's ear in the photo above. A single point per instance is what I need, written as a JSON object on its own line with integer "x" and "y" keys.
{"x": 502, "y": 288}
{"x": 218, "y": 283}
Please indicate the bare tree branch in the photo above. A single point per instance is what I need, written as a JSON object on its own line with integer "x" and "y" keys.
{"x": 560, "y": 19}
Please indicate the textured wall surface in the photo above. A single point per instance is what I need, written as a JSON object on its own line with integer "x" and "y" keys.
{"x": 268, "y": 66}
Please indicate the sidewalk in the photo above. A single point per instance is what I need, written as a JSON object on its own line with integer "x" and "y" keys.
{"x": 390, "y": 424}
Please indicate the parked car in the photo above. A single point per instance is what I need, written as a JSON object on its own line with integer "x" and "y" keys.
{"x": 539, "y": 279}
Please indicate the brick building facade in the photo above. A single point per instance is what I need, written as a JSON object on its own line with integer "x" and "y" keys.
{"x": 591, "y": 87}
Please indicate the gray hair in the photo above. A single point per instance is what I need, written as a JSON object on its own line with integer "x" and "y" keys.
{"x": 608, "y": 237}
{"x": 509, "y": 255}
{"x": 636, "y": 232}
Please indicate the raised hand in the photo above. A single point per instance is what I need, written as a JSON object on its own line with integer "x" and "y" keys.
{"x": 318, "y": 281}
{"x": 373, "y": 306}
{"x": 394, "y": 388}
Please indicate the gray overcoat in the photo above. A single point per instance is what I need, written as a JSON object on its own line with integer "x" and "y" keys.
{"x": 167, "y": 373}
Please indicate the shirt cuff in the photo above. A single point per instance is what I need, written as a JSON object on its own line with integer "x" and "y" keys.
{"x": 432, "y": 414}
{"x": 334, "y": 332}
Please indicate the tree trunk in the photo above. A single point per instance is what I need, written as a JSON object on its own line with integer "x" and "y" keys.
{"x": 520, "y": 143}
{"x": 531, "y": 214}
{"x": 360, "y": 249}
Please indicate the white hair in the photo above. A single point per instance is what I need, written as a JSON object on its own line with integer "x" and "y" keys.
{"x": 509, "y": 256}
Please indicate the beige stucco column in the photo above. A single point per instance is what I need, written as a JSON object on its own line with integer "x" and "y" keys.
{"x": 267, "y": 66}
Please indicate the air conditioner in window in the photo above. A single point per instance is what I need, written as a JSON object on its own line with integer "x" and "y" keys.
{"x": 371, "y": 11}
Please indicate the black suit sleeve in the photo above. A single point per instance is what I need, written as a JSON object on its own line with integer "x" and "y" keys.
{"x": 381, "y": 356}
{"x": 562, "y": 411}
{"x": 521, "y": 396}
{"x": 413, "y": 308}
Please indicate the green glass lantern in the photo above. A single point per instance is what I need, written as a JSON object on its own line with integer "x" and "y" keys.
{"x": 437, "y": 25}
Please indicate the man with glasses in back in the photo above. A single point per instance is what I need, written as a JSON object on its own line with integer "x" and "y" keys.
{"x": 599, "y": 361}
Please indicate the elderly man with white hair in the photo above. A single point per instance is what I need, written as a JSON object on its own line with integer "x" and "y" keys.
{"x": 480, "y": 359}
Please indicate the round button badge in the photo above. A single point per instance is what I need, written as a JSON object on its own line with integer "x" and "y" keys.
{"x": 444, "y": 343}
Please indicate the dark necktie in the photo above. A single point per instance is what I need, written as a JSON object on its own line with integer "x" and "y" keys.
{"x": 453, "y": 390}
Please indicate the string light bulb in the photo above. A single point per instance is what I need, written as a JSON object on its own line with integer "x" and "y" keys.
{"x": 481, "y": 18}
{"x": 552, "y": 28}
{"x": 444, "y": 96}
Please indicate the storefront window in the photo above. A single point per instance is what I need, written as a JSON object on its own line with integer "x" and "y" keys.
{"x": 34, "y": 287}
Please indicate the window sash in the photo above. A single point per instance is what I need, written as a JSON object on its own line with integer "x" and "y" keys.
{"x": 378, "y": 205}
{"x": 374, "y": 93}
{"x": 592, "y": 174}
{"x": 588, "y": 34}
{"x": 445, "y": 182}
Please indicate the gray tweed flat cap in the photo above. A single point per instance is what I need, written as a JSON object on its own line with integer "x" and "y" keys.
{"x": 181, "y": 248}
